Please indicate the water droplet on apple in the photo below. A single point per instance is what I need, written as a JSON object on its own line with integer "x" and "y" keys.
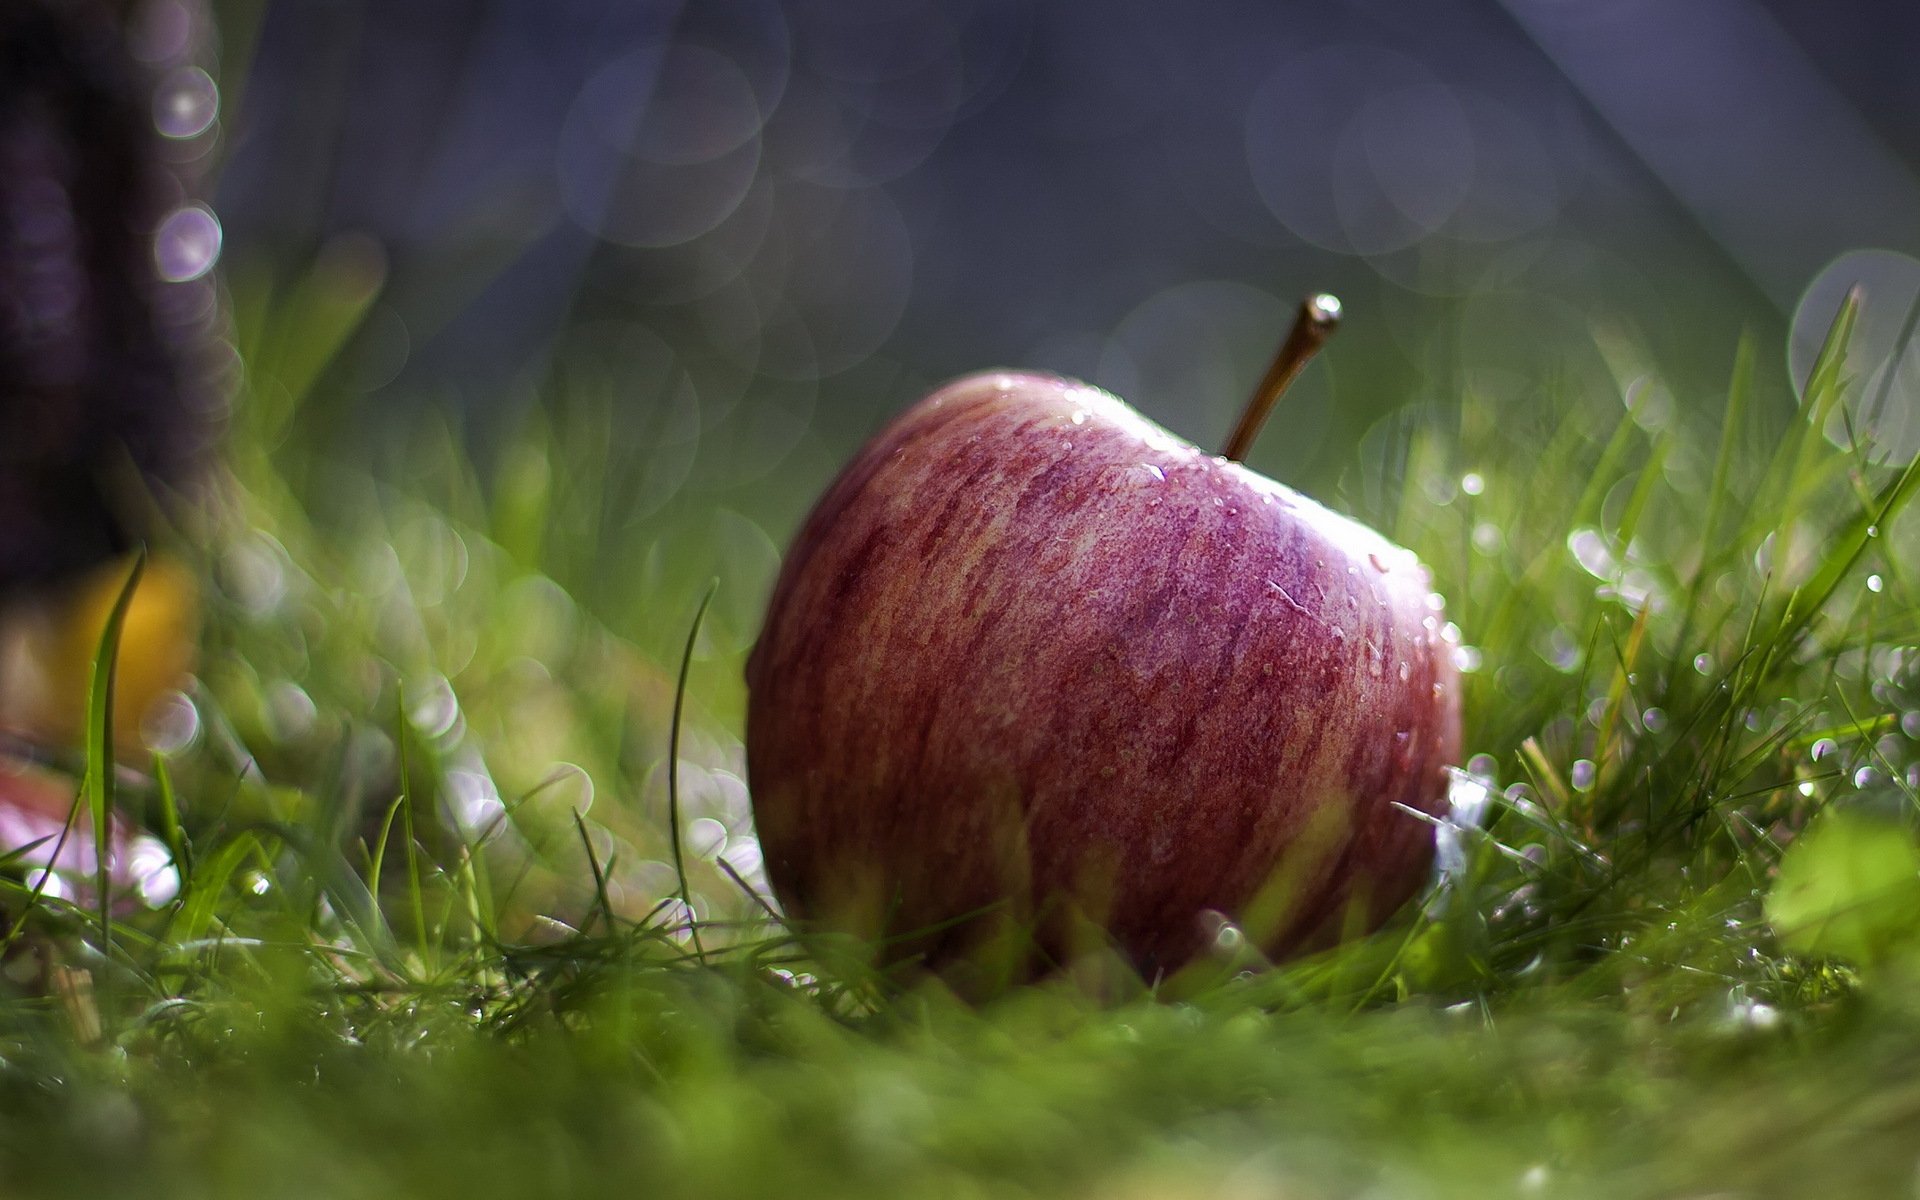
{"x": 1406, "y": 673}
{"x": 1377, "y": 564}
{"x": 1158, "y": 475}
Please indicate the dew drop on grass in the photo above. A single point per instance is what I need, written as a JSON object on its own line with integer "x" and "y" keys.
{"x": 1910, "y": 723}
{"x": 1487, "y": 538}
{"x": 1703, "y": 663}
{"x": 1823, "y": 747}
{"x": 1472, "y": 483}
{"x": 1863, "y": 777}
{"x": 1467, "y": 659}
{"x": 1654, "y": 719}
{"x": 1806, "y": 788}
{"x": 1874, "y": 583}
{"x": 1583, "y": 775}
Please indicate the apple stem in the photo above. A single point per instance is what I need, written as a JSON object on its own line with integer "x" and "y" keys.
{"x": 1319, "y": 316}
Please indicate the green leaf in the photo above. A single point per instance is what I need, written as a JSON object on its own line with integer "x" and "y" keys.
{"x": 1849, "y": 887}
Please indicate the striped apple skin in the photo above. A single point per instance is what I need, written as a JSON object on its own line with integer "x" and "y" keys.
{"x": 1033, "y": 662}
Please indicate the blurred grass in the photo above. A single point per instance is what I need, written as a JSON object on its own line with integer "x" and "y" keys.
{"x": 436, "y": 936}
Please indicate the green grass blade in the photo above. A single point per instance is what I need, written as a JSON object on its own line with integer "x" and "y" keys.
{"x": 100, "y": 760}
{"x": 673, "y": 765}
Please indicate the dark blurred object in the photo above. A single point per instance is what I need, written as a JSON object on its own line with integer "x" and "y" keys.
{"x": 105, "y": 307}
{"x": 93, "y": 345}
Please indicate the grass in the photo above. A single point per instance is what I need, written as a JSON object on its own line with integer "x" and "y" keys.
{"x": 469, "y": 901}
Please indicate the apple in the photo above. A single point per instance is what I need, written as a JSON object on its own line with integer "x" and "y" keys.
{"x": 1035, "y": 667}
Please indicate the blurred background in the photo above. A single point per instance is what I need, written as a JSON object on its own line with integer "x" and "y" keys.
{"x": 760, "y": 226}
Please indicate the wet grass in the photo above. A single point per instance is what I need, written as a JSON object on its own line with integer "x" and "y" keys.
{"x": 469, "y": 901}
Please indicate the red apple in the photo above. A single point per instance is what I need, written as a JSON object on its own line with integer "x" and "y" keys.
{"x": 1034, "y": 663}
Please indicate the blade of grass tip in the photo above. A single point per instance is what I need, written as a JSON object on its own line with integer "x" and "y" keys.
{"x": 601, "y": 897}
{"x": 100, "y": 764}
{"x": 773, "y": 914}
{"x": 209, "y": 883}
{"x": 176, "y": 837}
{"x": 673, "y": 766}
{"x": 377, "y": 861}
{"x": 46, "y": 874}
{"x": 416, "y": 896}
{"x": 1732, "y": 423}
{"x": 1826, "y": 384}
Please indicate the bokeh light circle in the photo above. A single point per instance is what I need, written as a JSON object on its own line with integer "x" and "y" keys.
{"x": 187, "y": 244}
{"x": 1359, "y": 150}
{"x": 660, "y": 146}
{"x": 1879, "y": 405}
{"x": 185, "y": 103}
